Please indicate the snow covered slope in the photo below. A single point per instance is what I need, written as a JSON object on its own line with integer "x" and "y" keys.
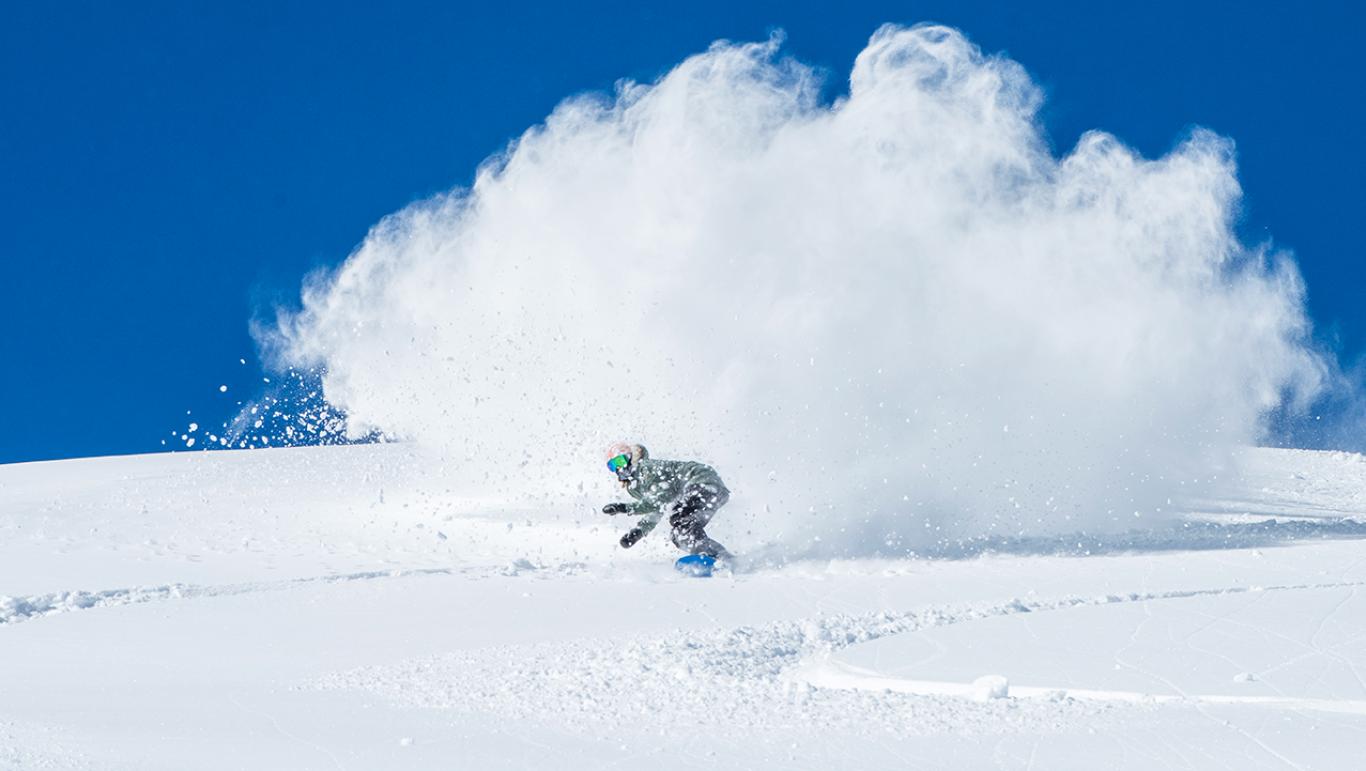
{"x": 342, "y": 608}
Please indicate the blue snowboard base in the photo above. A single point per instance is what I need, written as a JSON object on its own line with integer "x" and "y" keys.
{"x": 696, "y": 565}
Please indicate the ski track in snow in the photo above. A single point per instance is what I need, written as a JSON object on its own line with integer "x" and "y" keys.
{"x": 737, "y": 679}
{"x": 16, "y": 609}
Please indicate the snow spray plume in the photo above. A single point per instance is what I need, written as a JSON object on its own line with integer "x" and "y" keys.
{"x": 289, "y": 412}
{"x": 888, "y": 321}
{"x": 1337, "y": 420}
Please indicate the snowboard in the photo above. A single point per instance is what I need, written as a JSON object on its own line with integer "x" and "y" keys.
{"x": 696, "y": 565}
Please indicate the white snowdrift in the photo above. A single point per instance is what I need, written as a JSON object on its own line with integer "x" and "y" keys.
{"x": 349, "y": 608}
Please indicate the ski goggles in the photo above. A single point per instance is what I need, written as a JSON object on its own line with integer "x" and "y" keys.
{"x": 618, "y": 463}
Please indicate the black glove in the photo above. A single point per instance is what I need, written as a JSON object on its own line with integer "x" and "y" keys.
{"x": 632, "y": 535}
{"x": 616, "y": 508}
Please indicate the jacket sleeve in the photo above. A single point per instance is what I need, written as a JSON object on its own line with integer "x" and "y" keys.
{"x": 643, "y": 507}
{"x": 648, "y": 522}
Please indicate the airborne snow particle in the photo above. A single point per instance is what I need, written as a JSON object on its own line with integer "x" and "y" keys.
{"x": 990, "y": 687}
{"x": 222, "y": 389}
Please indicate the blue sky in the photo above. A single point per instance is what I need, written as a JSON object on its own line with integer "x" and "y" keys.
{"x": 168, "y": 171}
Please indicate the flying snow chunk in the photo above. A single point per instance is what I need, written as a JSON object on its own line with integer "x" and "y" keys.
{"x": 222, "y": 389}
{"x": 988, "y": 687}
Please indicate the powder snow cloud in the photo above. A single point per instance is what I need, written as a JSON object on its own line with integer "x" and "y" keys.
{"x": 887, "y": 320}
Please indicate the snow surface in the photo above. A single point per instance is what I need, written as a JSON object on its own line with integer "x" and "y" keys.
{"x": 343, "y": 607}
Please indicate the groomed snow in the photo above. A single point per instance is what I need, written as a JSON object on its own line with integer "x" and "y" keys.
{"x": 341, "y": 608}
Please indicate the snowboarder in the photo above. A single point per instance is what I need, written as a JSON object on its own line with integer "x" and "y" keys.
{"x": 688, "y": 493}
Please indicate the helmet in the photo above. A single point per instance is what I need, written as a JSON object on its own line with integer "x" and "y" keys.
{"x": 633, "y": 452}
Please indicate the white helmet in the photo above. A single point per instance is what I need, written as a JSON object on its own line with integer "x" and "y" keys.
{"x": 633, "y": 453}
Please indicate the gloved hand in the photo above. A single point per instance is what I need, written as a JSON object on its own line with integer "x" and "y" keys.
{"x": 632, "y": 535}
{"x": 616, "y": 508}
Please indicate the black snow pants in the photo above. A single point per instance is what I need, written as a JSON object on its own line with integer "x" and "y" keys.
{"x": 690, "y": 517}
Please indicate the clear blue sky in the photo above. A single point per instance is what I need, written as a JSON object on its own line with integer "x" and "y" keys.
{"x": 168, "y": 169}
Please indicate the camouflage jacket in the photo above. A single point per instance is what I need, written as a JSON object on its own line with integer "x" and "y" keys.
{"x": 658, "y": 484}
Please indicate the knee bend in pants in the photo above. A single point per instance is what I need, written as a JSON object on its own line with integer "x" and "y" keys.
{"x": 697, "y": 507}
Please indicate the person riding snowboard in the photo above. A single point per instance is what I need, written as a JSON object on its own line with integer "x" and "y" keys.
{"x": 688, "y": 492}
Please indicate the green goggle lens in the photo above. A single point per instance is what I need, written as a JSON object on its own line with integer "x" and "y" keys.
{"x": 618, "y": 463}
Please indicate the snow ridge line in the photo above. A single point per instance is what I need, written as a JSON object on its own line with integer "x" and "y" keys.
{"x": 818, "y": 670}
{"x": 16, "y": 609}
{"x": 828, "y": 634}
{"x": 889, "y": 624}
{"x": 821, "y": 673}
{"x": 733, "y": 675}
